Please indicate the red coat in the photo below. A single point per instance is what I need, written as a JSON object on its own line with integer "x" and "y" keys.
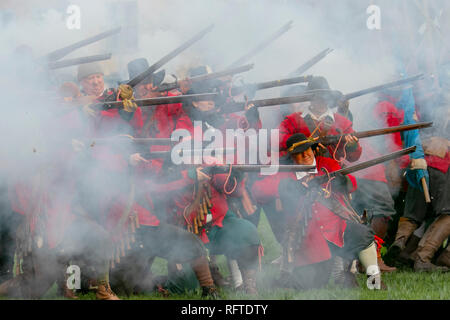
{"x": 436, "y": 162}
{"x": 375, "y": 173}
{"x": 388, "y": 115}
{"x": 164, "y": 120}
{"x": 295, "y": 123}
{"x": 49, "y": 196}
{"x": 111, "y": 123}
{"x": 324, "y": 226}
{"x": 181, "y": 195}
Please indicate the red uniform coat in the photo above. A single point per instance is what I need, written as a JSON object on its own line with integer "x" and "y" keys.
{"x": 388, "y": 115}
{"x": 324, "y": 226}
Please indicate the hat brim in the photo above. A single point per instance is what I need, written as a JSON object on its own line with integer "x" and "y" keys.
{"x": 155, "y": 78}
{"x": 327, "y": 95}
{"x": 303, "y": 147}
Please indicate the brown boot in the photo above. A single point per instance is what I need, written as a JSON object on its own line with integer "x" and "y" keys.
{"x": 219, "y": 280}
{"x": 64, "y": 290}
{"x": 249, "y": 278}
{"x": 380, "y": 226}
{"x": 406, "y": 255}
{"x": 104, "y": 292}
{"x": 436, "y": 233}
{"x": 405, "y": 228}
{"x": 69, "y": 294}
{"x": 444, "y": 258}
{"x": 383, "y": 266}
{"x": 201, "y": 269}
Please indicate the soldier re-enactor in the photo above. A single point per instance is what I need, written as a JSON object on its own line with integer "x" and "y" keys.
{"x": 332, "y": 228}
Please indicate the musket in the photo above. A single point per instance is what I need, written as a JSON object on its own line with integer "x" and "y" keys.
{"x": 269, "y": 84}
{"x": 77, "y": 61}
{"x": 167, "y": 154}
{"x": 332, "y": 139}
{"x": 401, "y": 82}
{"x": 245, "y": 58}
{"x": 129, "y": 140}
{"x": 364, "y": 165}
{"x": 140, "y": 77}
{"x": 258, "y": 167}
{"x": 239, "y": 106}
{"x": 206, "y": 77}
{"x": 311, "y": 94}
{"x": 60, "y": 53}
{"x": 308, "y": 64}
{"x": 157, "y": 101}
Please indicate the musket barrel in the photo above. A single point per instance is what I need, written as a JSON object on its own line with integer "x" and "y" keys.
{"x": 239, "y": 106}
{"x": 214, "y": 75}
{"x": 160, "y": 100}
{"x": 308, "y": 64}
{"x": 140, "y": 77}
{"x": 139, "y": 141}
{"x": 258, "y": 167}
{"x": 60, "y": 53}
{"x": 373, "y": 162}
{"x": 262, "y": 45}
{"x": 376, "y": 132}
{"x": 162, "y": 154}
{"x": 270, "y": 84}
{"x": 77, "y": 61}
{"x": 383, "y": 86}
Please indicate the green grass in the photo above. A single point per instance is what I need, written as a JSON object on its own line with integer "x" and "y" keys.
{"x": 402, "y": 285}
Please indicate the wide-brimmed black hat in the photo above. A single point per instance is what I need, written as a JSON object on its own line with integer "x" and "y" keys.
{"x": 317, "y": 83}
{"x": 320, "y": 86}
{"x": 137, "y": 66}
{"x": 298, "y": 142}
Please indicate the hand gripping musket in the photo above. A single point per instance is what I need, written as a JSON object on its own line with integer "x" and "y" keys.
{"x": 61, "y": 53}
{"x": 327, "y": 140}
{"x": 153, "y": 68}
{"x": 245, "y": 58}
{"x": 297, "y": 230}
{"x": 151, "y": 102}
{"x": 310, "y": 63}
{"x": 269, "y": 84}
{"x": 206, "y": 77}
{"x": 73, "y": 62}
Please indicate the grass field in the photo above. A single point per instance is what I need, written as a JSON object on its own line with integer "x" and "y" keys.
{"x": 402, "y": 285}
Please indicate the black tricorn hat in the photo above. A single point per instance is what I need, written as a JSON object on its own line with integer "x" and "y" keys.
{"x": 298, "y": 142}
{"x": 137, "y": 66}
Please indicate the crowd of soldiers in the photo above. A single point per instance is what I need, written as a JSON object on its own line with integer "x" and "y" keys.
{"x": 132, "y": 205}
